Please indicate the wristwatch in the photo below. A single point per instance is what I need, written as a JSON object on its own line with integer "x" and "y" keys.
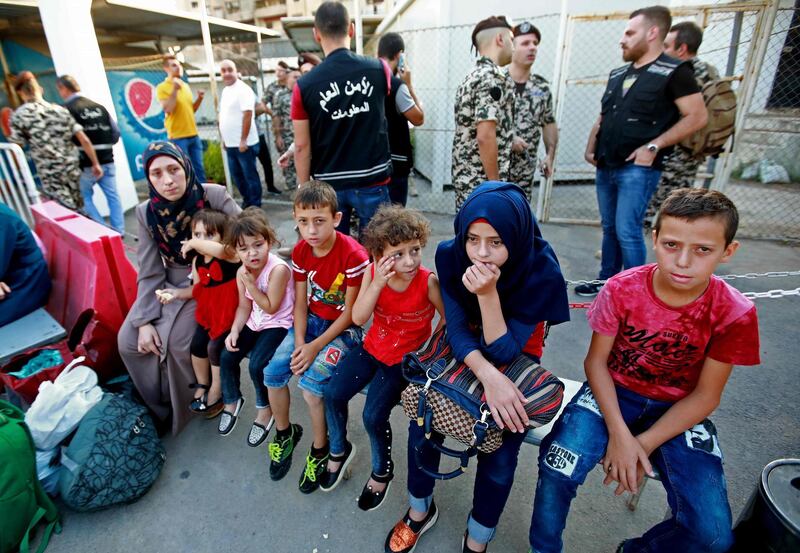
{"x": 653, "y": 147}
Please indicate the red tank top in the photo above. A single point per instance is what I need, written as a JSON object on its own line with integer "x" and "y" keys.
{"x": 401, "y": 321}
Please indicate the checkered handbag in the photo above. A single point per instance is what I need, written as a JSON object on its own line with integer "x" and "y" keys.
{"x": 445, "y": 396}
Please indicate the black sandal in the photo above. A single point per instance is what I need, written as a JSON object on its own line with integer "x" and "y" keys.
{"x": 370, "y": 500}
{"x": 199, "y": 404}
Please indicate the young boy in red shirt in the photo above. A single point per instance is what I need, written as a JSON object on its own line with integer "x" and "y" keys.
{"x": 327, "y": 267}
{"x": 666, "y": 336}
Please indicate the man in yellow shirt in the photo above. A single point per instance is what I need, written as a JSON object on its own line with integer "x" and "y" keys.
{"x": 179, "y": 107}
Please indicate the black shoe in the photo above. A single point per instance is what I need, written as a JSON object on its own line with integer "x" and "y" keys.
{"x": 330, "y": 479}
{"x": 405, "y": 535}
{"x": 370, "y": 500}
{"x": 588, "y": 290}
{"x": 314, "y": 472}
{"x": 280, "y": 451}
{"x": 466, "y": 549}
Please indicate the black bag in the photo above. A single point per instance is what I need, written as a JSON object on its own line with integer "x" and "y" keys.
{"x": 114, "y": 457}
{"x": 445, "y": 396}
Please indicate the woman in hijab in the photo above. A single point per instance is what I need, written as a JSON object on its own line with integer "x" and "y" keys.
{"x": 500, "y": 282}
{"x": 154, "y": 339}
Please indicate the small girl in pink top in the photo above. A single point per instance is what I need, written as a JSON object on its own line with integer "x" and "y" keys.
{"x": 263, "y": 318}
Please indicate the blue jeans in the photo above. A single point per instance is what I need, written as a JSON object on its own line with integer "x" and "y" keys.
{"x": 192, "y": 146}
{"x": 493, "y": 480}
{"x": 690, "y": 466}
{"x": 245, "y": 175}
{"x": 622, "y": 196}
{"x": 277, "y": 372}
{"x": 386, "y": 383}
{"x": 261, "y": 346}
{"x": 365, "y": 201}
{"x": 108, "y": 184}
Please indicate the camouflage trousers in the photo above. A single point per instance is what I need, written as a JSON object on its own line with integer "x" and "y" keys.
{"x": 290, "y": 173}
{"x": 62, "y": 184}
{"x": 680, "y": 169}
{"x": 523, "y": 168}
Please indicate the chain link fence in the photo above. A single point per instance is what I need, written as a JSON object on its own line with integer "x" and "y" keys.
{"x": 577, "y": 63}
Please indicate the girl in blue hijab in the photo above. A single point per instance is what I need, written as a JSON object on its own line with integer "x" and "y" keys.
{"x": 500, "y": 282}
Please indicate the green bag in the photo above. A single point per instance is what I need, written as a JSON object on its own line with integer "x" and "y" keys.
{"x": 23, "y": 502}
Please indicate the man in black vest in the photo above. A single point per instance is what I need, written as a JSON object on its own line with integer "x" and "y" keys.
{"x": 402, "y": 108}
{"x": 339, "y": 120}
{"x": 649, "y": 105}
{"x": 103, "y": 133}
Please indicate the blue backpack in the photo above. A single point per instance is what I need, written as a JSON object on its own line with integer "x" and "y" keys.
{"x": 114, "y": 457}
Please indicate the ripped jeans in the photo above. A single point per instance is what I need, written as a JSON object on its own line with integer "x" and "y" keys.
{"x": 690, "y": 465}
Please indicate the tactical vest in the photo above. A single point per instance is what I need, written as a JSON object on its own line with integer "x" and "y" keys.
{"x": 638, "y": 117}
{"x": 344, "y": 98}
{"x": 399, "y": 135}
{"x": 96, "y": 123}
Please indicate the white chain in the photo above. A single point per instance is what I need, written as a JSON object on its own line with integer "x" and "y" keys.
{"x": 770, "y": 274}
{"x": 772, "y": 294}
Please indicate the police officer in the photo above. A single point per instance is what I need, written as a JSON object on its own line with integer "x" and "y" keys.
{"x": 484, "y": 107}
{"x": 533, "y": 110}
{"x": 680, "y": 166}
{"x": 282, "y": 110}
{"x": 649, "y": 104}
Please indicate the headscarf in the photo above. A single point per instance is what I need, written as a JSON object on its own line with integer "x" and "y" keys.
{"x": 531, "y": 286}
{"x": 170, "y": 221}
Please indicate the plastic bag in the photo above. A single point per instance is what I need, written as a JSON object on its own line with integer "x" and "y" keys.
{"x": 61, "y": 404}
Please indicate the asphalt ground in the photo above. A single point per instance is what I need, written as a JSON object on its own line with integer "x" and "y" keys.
{"x": 214, "y": 493}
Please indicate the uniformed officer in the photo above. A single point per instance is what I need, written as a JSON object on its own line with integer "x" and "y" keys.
{"x": 284, "y": 132}
{"x": 484, "y": 107}
{"x": 533, "y": 110}
{"x": 680, "y": 166}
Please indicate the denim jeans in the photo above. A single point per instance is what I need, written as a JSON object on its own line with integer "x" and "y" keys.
{"x": 245, "y": 175}
{"x": 277, "y": 372}
{"x": 622, "y": 196}
{"x": 386, "y": 383}
{"x": 690, "y": 466}
{"x": 261, "y": 346}
{"x": 365, "y": 201}
{"x": 398, "y": 190}
{"x": 108, "y": 184}
{"x": 493, "y": 480}
{"x": 192, "y": 146}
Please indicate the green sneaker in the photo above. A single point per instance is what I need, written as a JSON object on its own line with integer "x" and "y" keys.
{"x": 280, "y": 452}
{"x": 315, "y": 470}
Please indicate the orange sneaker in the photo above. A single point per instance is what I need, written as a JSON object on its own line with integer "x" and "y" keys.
{"x": 406, "y": 533}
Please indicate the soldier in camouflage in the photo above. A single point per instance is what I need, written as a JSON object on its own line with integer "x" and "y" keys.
{"x": 533, "y": 110}
{"x": 284, "y": 130}
{"x": 680, "y": 166}
{"x": 48, "y": 129}
{"x": 484, "y": 108}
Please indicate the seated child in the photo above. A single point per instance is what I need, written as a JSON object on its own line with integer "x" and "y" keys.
{"x": 331, "y": 264}
{"x": 263, "y": 319}
{"x": 401, "y": 296}
{"x": 216, "y": 296}
{"x": 666, "y": 336}
{"x": 500, "y": 281}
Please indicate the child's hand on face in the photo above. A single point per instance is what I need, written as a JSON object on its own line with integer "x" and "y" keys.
{"x": 384, "y": 271}
{"x": 247, "y": 279}
{"x": 187, "y": 246}
{"x": 302, "y": 357}
{"x": 481, "y": 278}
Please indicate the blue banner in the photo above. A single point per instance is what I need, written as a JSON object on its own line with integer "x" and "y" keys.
{"x": 141, "y": 119}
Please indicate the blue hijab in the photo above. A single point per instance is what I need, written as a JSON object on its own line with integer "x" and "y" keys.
{"x": 531, "y": 286}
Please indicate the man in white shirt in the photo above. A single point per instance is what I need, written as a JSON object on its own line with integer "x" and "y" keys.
{"x": 238, "y": 128}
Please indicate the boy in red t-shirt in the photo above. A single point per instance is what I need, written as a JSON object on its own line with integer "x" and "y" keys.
{"x": 666, "y": 337}
{"x": 327, "y": 267}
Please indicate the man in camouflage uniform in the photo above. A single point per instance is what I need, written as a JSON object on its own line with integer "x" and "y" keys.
{"x": 680, "y": 166}
{"x": 47, "y": 129}
{"x": 284, "y": 130}
{"x": 484, "y": 109}
{"x": 533, "y": 110}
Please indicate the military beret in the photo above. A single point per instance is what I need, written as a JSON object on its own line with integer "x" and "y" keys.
{"x": 489, "y": 23}
{"x": 526, "y": 28}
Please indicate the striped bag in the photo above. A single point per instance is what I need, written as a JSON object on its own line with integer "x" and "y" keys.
{"x": 445, "y": 396}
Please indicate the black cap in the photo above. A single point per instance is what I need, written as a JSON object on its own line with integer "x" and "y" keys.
{"x": 489, "y": 23}
{"x": 283, "y": 64}
{"x": 526, "y": 28}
